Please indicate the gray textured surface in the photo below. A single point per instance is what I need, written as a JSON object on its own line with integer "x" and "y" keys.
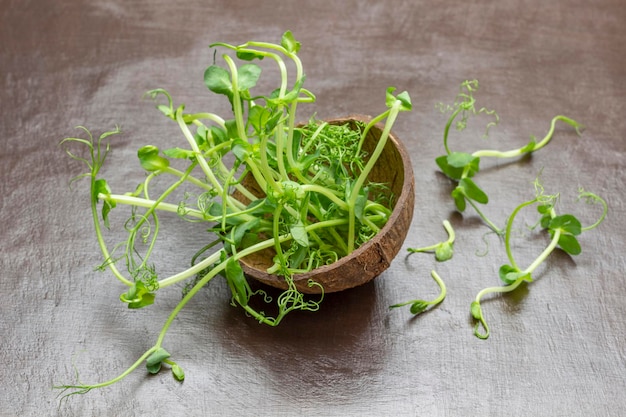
{"x": 557, "y": 346}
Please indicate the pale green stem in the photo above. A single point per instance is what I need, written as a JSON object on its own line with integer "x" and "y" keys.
{"x": 327, "y": 193}
{"x": 195, "y": 118}
{"x": 442, "y": 295}
{"x": 103, "y": 246}
{"x": 489, "y": 223}
{"x": 391, "y": 114}
{"x": 237, "y": 109}
{"x": 518, "y": 152}
{"x": 547, "y": 251}
{"x": 117, "y": 378}
{"x": 508, "y": 288}
{"x": 509, "y": 228}
{"x": 605, "y": 209}
{"x": 147, "y": 203}
{"x": 451, "y": 237}
{"x": 208, "y": 172}
{"x": 446, "y": 130}
{"x": 195, "y": 181}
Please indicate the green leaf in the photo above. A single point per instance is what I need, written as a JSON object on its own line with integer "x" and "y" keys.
{"x": 217, "y": 79}
{"x": 249, "y": 55}
{"x": 258, "y": 118}
{"x": 290, "y": 43}
{"x": 231, "y": 129}
{"x": 476, "y": 311}
{"x": 178, "y": 372}
{"x": 567, "y": 223}
{"x": 138, "y": 296}
{"x": 447, "y": 169}
{"x": 241, "y": 149}
{"x": 530, "y": 146}
{"x": 291, "y": 191}
{"x": 247, "y": 76}
{"x": 473, "y": 191}
{"x": 403, "y": 98}
{"x": 418, "y": 307}
{"x": 509, "y": 275}
{"x": 154, "y": 369}
{"x": 154, "y": 361}
{"x": 179, "y": 153}
{"x": 146, "y": 300}
{"x": 463, "y": 160}
{"x": 218, "y": 134}
{"x": 444, "y": 252}
{"x": 237, "y": 282}
{"x": 458, "y": 165}
{"x": 298, "y": 256}
{"x": 157, "y": 356}
{"x": 544, "y": 208}
{"x": 201, "y": 137}
{"x": 249, "y": 239}
{"x": 292, "y": 95}
{"x": 569, "y": 244}
{"x": 359, "y": 204}
{"x": 298, "y": 233}
{"x": 460, "y": 159}
{"x": 150, "y": 159}
{"x": 459, "y": 198}
{"x": 307, "y": 160}
{"x": 240, "y": 230}
{"x": 166, "y": 110}
{"x": 261, "y": 206}
{"x": 102, "y": 187}
{"x": 390, "y": 99}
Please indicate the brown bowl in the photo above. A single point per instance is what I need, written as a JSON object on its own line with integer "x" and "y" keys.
{"x": 372, "y": 258}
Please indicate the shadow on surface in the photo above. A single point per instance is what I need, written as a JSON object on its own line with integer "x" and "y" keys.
{"x": 331, "y": 352}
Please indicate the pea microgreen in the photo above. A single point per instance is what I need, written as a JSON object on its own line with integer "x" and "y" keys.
{"x": 419, "y": 306}
{"x": 461, "y": 167}
{"x": 563, "y": 230}
{"x": 317, "y": 203}
{"x": 443, "y": 250}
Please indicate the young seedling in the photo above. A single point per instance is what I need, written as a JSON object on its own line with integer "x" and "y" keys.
{"x": 461, "y": 167}
{"x": 419, "y": 306}
{"x": 563, "y": 230}
{"x": 443, "y": 251}
{"x": 317, "y": 204}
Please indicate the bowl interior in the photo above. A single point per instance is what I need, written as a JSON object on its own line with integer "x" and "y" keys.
{"x": 368, "y": 261}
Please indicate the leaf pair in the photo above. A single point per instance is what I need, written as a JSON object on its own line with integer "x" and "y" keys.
{"x": 467, "y": 189}
{"x": 458, "y": 165}
{"x": 241, "y": 235}
{"x": 219, "y": 81}
{"x": 509, "y": 275}
{"x": 461, "y": 166}
{"x": 237, "y": 282}
{"x": 160, "y": 356}
{"x": 403, "y": 98}
{"x": 150, "y": 159}
{"x": 570, "y": 227}
{"x": 263, "y": 120}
